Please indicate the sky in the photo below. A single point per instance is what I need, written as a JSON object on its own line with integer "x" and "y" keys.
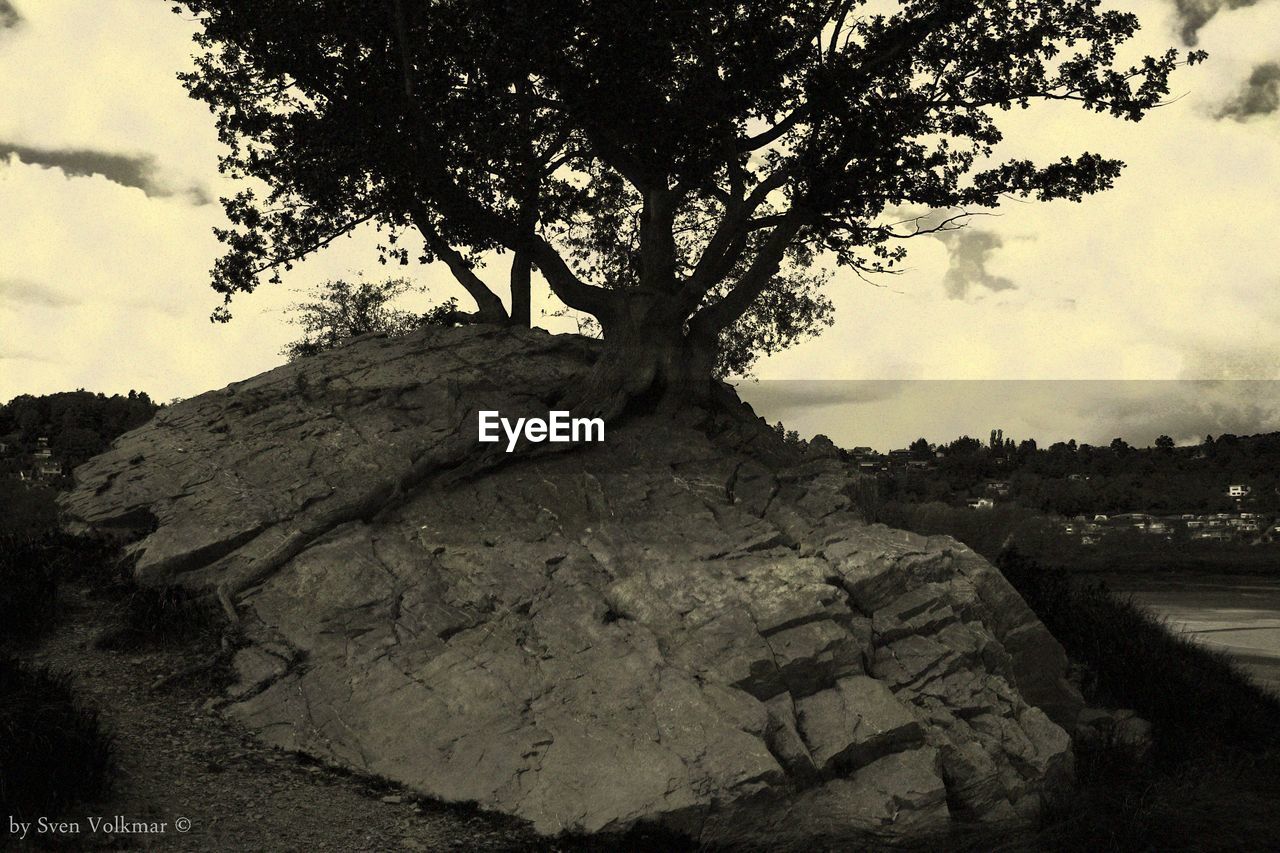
{"x": 109, "y": 181}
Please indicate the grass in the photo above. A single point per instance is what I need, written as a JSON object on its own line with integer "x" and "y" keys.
{"x": 155, "y": 617}
{"x": 53, "y": 752}
{"x": 1211, "y": 779}
{"x": 1136, "y": 662}
{"x": 32, "y": 565}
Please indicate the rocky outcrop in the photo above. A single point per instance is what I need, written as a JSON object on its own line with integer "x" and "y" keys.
{"x": 658, "y": 628}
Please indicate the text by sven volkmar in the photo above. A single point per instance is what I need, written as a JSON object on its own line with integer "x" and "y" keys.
{"x": 44, "y": 827}
{"x": 557, "y": 427}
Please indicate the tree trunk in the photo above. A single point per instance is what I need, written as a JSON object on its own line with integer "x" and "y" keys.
{"x": 649, "y": 360}
{"x": 521, "y": 276}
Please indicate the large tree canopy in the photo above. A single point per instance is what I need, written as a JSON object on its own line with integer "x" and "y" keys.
{"x": 668, "y": 167}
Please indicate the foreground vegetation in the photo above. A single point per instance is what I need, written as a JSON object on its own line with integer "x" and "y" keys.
{"x": 53, "y": 751}
{"x": 1209, "y": 782}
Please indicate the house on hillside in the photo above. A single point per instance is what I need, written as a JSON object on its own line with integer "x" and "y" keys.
{"x": 980, "y": 503}
{"x": 1238, "y": 491}
{"x": 998, "y": 487}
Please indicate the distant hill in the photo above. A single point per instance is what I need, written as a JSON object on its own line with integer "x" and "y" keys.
{"x": 1070, "y": 479}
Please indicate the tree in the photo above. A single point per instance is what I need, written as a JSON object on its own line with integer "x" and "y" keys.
{"x": 920, "y": 449}
{"x": 662, "y": 164}
{"x": 340, "y": 311}
{"x": 1164, "y": 443}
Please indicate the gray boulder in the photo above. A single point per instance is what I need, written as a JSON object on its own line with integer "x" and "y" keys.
{"x": 663, "y": 627}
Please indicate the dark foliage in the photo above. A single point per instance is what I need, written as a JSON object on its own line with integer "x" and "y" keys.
{"x": 340, "y": 310}
{"x": 78, "y": 425}
{"x": 26, "y": 507}
{"x": 662, "y": 165}
{"x": 53, "y": 751}
{"x": 1180, "y": 686}
{"x": 153, "y": 617}
{"x": 1071, "y": 479}
{"x": 28, "y": 589}
{"x": 31, "y": 567}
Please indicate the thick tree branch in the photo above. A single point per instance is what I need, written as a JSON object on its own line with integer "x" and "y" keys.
{"x": 488, "y": 303}
{"x": 450, "y": 200}
{"x": 713, "y": 318}
{"x": 726, "y": 244}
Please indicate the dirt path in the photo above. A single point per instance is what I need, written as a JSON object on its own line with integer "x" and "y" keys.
{"x": 178, "y": 759}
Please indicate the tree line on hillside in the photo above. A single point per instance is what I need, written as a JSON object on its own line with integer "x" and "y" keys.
{"x": 77, "y": 424}
{"x": 1068, "y": 478}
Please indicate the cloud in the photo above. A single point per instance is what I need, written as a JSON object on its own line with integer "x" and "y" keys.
{"x": 33, "y": 293}
{"x": 9, "y": 17}
{"x": 1259, "y": 96}
{"x": 1194, "y": 14}
{"x": 127, "y": 170}
{"x": 788, "y": 394}
{"x": 1235, "y": 360}
{"x": 970, "y": 250}
{"x": 9, "y": 354}
{"x": 1184, "y": 410}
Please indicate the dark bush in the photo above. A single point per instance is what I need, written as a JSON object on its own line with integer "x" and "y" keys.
{"x": 31, "y": 567}
{"x": 28, "y": 588}
{"x": 26, "y": 508}
{"x": 155, "y": 616}
{"x": 1197, "y": 701}
{"x": 53, "y": 751}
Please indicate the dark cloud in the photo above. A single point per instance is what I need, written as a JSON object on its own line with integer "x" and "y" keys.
{"x": 33, "y": 293}
{"x": 9, "y": 17}
{"x": 888, "y": 414}
{"x": 1259, "y": 96}
{"x": 970, "y": 251}
{"x": 788, "y": 394}
{"x": 1185, "y": 410}
{"x": 1194, "y": 14}
{"x": 128, "y": 170}
{"x": 1243, "y": 360}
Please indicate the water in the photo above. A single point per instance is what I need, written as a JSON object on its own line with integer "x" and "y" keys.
{"x": 1239, "y": 615}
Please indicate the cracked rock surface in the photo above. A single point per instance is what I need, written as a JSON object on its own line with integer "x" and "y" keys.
{"x": 659, "y": 628}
